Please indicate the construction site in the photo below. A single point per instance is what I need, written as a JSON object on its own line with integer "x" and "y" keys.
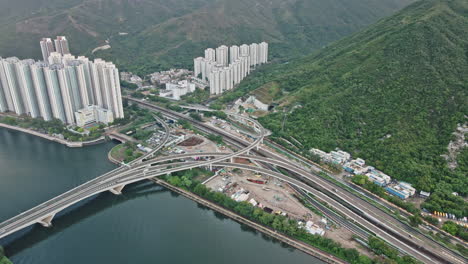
{"x": 277, "y": 197}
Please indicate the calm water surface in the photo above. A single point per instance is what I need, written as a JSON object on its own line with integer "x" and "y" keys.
{"x": 147, "y": 224}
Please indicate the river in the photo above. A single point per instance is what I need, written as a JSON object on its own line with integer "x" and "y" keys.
{"x": 147, "y": 224}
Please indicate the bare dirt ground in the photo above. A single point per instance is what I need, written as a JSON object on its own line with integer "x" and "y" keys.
{"x": 279, "y": 197}
{"x": 272, "y": 194}
{"x": 204, "y": 145}
{"x": 192, "y": 141}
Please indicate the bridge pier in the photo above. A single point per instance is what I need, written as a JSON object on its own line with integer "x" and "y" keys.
{"x": 117, "y": 190}
{"x": 47, "y": 222}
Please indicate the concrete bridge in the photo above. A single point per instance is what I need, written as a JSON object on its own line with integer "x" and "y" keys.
{"x": 113, "y": 181}
{"x": 116, "y": 180}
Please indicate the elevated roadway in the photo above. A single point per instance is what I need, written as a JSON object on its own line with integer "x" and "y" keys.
{"x": 342, "y": 202}
{"x": 403, "y": 230}
{"x": 45, "y": 212}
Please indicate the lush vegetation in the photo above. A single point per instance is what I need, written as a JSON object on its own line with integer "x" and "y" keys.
{"x": 392, "y": 94}
{"x": 126, "y": 152}
{"x": 281, "y": 223}
{"x": 215, "y": 138}
{"x": 131, "y": 86}
{"x": 136, "y": 116}
{"x": 53, "y": 127}
{"x": 381, "y": 248}
{"x": 197, "y": 97}
{"x": 3, "y": 258}
{"x": 218, "y": 114}
{"x": 277, "y": 222}
{"x": 168, "y": 34}
{"x": 196, "y": 116}
{"x": 455, "y": 230}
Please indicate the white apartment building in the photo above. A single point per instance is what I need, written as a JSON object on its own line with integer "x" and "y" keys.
{"x": 59, "y": 89}
{"x": 263, "y": 53}
{"x": 226, "y": 67}
{"x": 47, "y": 47}
{"x": 253, "y": 54}
{"x": 222, "y": 55}
{"x": 234, "y": 53}
{"x": 61, "y": 45}
{"x": 244, "y": 50}
{"x": 210, "y": 54}
{"x": 198, "y": 66}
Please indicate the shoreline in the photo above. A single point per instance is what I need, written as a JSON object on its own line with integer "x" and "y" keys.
{"x": 310, "y": 250}
{"x": 54, "y": 139}
{"x": 112, "y": 159}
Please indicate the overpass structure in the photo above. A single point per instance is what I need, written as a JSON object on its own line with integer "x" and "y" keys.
{"x": 113, "y": 181}
{"x": 45, "y": 216}
{"x": 139, "y": 170}
{"x": 434, "y": 251}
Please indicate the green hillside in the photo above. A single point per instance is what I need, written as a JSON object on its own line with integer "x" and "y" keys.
{"x": 391, "y": 94}
{"x": 169, "y": 33}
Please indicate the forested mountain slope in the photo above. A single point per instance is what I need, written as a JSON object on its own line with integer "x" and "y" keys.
{"x": 169, "y": 33}
{"x": 392, "y": 94}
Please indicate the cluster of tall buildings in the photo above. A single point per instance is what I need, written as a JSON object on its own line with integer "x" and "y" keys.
{"x": 224, "y": 67}
{"x": 59, "y": 86}
{"x": 47, "y": 46}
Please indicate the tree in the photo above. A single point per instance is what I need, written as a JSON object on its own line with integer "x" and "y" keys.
{"x": 359, "y": 179}
{"x": 175, "y": 180}
{"x": 266, "y": 219}
{"x": 186, "y": 181}
{"x": 128, "y": 152}
{"x": 128, "y": 85}
{"x": 200, "y": 189}
{"x": 415, "y": 220}
{"x": 196, "y": 116}
{"x": 216, "y": 138}
{"x": 450, "y": 227}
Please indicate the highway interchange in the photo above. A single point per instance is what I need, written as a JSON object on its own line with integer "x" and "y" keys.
{"x": 346, "y": 204}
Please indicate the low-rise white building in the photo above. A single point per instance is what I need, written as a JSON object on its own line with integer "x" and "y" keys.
{"x": 176, "y": 90}
{"x": 379, "y": 177}
{"x": 314, "y": 229}
{"x": 93, "y": 114}
{"x": 257, "y": 103}
{"x": 340, "y": 156}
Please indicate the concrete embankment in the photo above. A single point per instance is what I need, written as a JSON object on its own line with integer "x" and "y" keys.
{"x": 323, "y": 256}
{"x": 51, "y": 138}
{"x": 112, "y": 159}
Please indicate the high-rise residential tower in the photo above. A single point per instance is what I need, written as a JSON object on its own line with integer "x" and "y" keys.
{"x": 40, "y": 86}
{"x": 26, "y": 86}
{"x": 226, "y": 67}
{"x": 253, "y": 52}
{"x": 234, "y": 53}
{"x": 11, "y": 86}
{"x": 263, "y": 53}
{"x": 210, "y": 54}
{"x": 244, "y": 50}
{"x": 59, "y": 90}
{"x": 61, "y": 45}
{"x": 47, "y": 47}
{"x": 222, "y": 57}
{"x": 198, "y": 65}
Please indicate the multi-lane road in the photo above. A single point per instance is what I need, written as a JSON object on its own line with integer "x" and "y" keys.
{"x": 429, "y": 250}
{"x": 360, "y": 211}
